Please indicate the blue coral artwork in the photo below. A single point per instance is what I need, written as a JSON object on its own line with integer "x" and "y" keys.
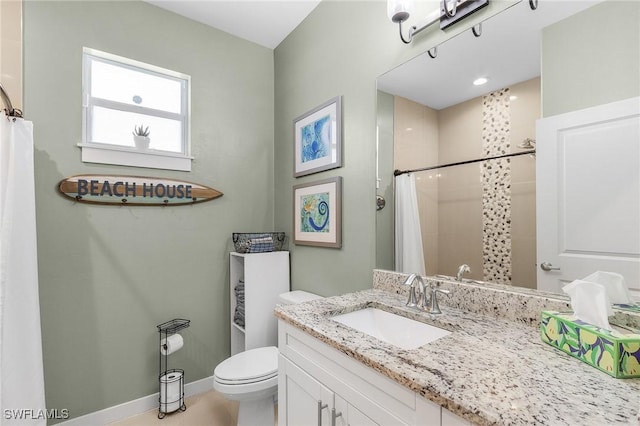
{"x": 316, "y": 139}
{"x": 314, "y": 214}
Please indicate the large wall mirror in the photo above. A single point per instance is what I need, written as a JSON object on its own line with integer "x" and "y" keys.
{"x": 434, "y": 122}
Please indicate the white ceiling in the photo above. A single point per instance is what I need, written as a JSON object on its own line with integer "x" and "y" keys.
{"x": 265, "y": 22}
{"x": 507, "y": 52}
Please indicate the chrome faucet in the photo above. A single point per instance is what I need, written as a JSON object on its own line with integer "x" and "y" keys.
{"x": 426, "y": 298}
{"x": 462, "y": 269}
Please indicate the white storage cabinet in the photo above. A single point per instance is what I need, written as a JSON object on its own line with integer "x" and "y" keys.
{"x": 265, "y": 276}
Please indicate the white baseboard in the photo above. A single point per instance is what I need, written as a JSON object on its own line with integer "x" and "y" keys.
{"x": 135, "y": 407}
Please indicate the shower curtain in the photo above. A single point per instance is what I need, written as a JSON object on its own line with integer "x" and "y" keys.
{"x": 21, "y": 371}
{"x": 408, "y": 243}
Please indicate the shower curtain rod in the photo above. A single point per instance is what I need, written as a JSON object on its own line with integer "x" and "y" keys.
{"x": 11, "y": 112}
{"x": 459, "y": 163}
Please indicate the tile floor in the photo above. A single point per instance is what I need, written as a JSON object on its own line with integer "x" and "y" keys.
{"x": 209, "y": 408}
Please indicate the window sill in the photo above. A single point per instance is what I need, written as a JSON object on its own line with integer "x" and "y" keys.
{"x": 123, "y": 156}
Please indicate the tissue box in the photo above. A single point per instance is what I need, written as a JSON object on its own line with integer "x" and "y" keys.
{"x": 614, "y": 353}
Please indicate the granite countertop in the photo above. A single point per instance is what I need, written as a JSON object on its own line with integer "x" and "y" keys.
{"x": 489, "y": 371}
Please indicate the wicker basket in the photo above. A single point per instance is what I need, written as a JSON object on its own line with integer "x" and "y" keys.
{"x": 258, "y": 242}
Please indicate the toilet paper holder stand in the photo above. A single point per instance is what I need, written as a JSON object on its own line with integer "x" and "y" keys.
{"x": 165, "y": 330}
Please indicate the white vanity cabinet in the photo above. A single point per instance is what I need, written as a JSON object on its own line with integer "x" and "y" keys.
{"x": 319, "y": 385}
{"x": 309, "y": 402}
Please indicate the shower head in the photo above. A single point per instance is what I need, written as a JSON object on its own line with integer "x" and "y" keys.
{"x": 528, "y": 143}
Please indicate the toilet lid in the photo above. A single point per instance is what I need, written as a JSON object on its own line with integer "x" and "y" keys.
{"x": 249, "y": 366}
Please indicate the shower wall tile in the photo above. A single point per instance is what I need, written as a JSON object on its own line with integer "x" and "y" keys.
{"x": 459, "y": 127}
{"x": 523, "y": 233}
{"x": 496, "y": 180}
{"x": 523, "y": 261}
{"x": 457, "y": 248}
{"x": 523, "y": 209}
{"x": 427, "y": 191}
{"x": 415, "y": 131}
{"x": 525, "y": 110}
{"x": 460, "y": 189}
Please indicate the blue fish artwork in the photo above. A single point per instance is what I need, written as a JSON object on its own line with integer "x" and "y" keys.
{"x": 314, "y": 214}
{"x": 316, "y": 139}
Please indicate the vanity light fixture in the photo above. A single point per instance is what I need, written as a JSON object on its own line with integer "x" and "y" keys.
{"x": 480, "y": 81}
{"x": 399, "y": 11}
{"x": 448, "y": 13}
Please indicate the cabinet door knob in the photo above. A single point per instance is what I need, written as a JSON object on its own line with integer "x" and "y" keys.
{"x": 321, "y": 407}
{"x": 334, "y": 416}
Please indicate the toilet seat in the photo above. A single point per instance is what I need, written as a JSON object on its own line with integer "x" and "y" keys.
{"x": 252, "y": 366}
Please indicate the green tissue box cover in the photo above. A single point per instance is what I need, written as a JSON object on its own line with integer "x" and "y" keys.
{"x": 614, "y": 353}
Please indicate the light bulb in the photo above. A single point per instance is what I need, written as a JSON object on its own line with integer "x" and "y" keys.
{"x": 399, "y": 10}
{"x": 480, "y": 81}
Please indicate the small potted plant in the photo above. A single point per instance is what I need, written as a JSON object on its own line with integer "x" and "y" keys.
{"x": 141, "y": 136}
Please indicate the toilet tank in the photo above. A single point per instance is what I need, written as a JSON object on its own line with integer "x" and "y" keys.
{"x": 296, "y": 296}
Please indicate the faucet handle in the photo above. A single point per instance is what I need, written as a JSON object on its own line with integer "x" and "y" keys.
{"x": 435, "y": 308}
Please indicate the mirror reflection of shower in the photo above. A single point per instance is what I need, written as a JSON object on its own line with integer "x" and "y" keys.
{"x": 481, "y": 213}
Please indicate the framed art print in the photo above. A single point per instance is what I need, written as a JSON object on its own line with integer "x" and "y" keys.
{"x": 317, "y": 213}
{"x": 318, "y": 139}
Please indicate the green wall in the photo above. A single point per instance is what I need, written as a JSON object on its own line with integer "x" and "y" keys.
{"x": 604, "y": 61}
{"x": 109, "y": 275}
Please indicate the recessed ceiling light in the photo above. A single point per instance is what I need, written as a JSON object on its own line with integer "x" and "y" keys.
{"x": 513, "y": 97}
{"x": 480, "y": 81}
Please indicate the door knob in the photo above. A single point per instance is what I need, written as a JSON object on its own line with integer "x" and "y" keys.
{"x": 546, "y": 266}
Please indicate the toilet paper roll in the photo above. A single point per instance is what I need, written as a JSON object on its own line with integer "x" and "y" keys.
{"x": 170, "y": 392}
{"x": 171, "y": 344}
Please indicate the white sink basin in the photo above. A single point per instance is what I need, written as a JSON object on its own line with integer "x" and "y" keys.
{"x": 391, "y": 328}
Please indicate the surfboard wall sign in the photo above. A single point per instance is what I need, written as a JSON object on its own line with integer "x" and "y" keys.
{"x": 116, "y": 190}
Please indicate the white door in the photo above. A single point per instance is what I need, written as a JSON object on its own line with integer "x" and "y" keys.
{"x": 588, "y": 194}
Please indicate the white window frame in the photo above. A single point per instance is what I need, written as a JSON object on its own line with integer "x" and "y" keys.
{"x": 94, "y": 152}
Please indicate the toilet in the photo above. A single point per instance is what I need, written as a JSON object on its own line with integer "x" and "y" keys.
{"x": 251, "y": 377}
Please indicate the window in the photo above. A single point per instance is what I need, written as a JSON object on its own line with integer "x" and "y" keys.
{"x": 120, "y": 94}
